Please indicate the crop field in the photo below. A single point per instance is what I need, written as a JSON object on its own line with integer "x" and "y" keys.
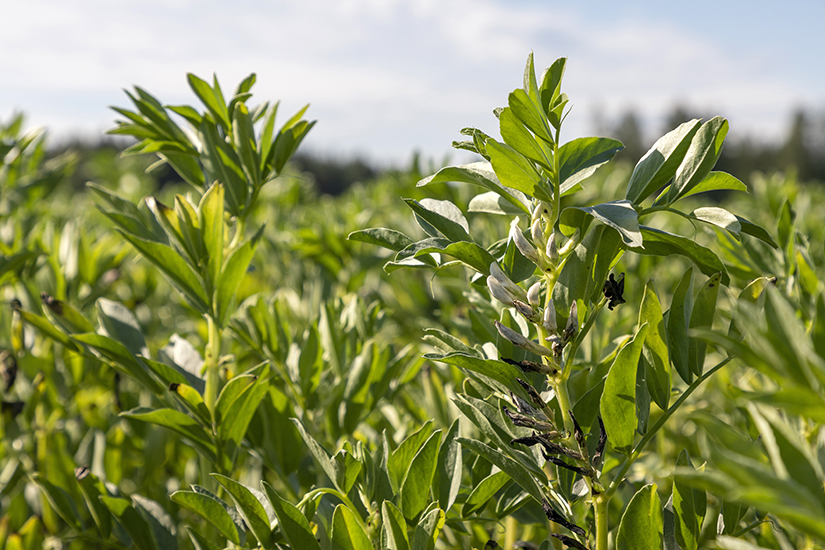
{"x": 544, "y": 348}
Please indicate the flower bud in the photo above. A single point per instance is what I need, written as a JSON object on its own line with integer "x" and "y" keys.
{"x": 551, "y": 250}
{"x": 545, "y": 210}
{"x": 518, "y": 340}
{"x": 549, "y": 320}
{"x": 498, "y": 291}
{"x": 527, "y": 250}
{"x": 536, "y": 233}
{"x": 572, "y": 323}
{"x": 527, "y": 311}
{"x": 533, "y": 294}
{"x": 571, "y": 244}
{"x": 511, "y": 287}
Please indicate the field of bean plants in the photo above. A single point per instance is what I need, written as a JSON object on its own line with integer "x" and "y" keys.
{"x": 544, "y": 348}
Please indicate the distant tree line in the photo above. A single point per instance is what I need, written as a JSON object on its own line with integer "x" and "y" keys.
{"x": 802, "y": 149}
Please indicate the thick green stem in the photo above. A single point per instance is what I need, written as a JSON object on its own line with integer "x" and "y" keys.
{"x": 210, "y": 364}
{"x": 637, "y": 450}
{"x": 563, "y": 398}
{"x": 600, "y": 512}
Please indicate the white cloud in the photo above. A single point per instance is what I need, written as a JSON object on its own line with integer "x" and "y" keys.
{"x": 384, "y": 76}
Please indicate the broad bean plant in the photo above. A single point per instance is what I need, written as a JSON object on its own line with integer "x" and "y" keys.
{"x": 564, "y": 429}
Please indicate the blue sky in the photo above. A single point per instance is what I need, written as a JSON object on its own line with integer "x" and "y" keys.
{"x": 385, "y": 77}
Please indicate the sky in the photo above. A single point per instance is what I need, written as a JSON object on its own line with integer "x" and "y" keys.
{"x": 387, "y": 77}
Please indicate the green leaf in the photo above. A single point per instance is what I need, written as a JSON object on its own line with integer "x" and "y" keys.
{"x": 233, "y": 273}
{"x": 551, "y": 83}
{"x": 250, "y": 508}
{"x": 293, "y": 524}
{"x": 678, "y": 320}
{"x": 427, "y": 531}
{"x": 243, "y": 138}
{"x": 655, "y": 347}
{"x": 235, "y": 418}
{"x": 394, "y": 527}
{"x": 662, "y": 243}
{"x": 689, "y": 507}
{"x": 199, "y": 541}
{"x": 618, "y": 402}
{"x": 715, "y": 181}
{"x": 576, "y": 279}
{"x": 659, "y": 164}
{"x": 131, "y": 520}
{"x": 718, "y": 217}
{"x": 701, "y": 316}
{"x": 580, "y": 158}
{"x": 175, "y": 269}
{"x": 467, "y": 252}
{"x": 192, "y": 400}
{"x": 212, "y": 509}
{"x": 444, "y": 216}
{"x": 120, "y": 358}
{"x": 790, "y": 453}
{"x": 210, "y": 99}
{"x": 493, "y": 203}
{"x": 531, "y": 114}
{"x": 619, "y": 215}
{"x": 483, "y": 492}
{"x": 506, "y": 464}
{"x": 400, "y": 460}
{"x": 415, "y": 489}
{"x": 501, "y": 372}
{"x": 93, "y": 488}
{"x": 478, "y": 173}
{"x": 60, "y": 500}
{"x": 642, "y": 523}
{"x": 587, "y": 407}
{"x": 179, "y": 423}
{"x": 320, "y": 455}
{"x": 67, "y": 316}
{"x": 449, "y": 469}
{"x": 704, "y": 151}
{"x": 517, "y": 136}
{"x": 47, "y": 328}
{"x": 160, "y": 523}
{"x": 120, "y": 323}
{"x": 210, "y": 220}
{"x": 516, "y": 172}
{"x": 347, "y": 531}
{"x": 381, "y": 236}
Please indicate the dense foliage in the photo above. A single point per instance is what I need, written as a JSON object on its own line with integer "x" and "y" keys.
{"x": 224, "y": 363}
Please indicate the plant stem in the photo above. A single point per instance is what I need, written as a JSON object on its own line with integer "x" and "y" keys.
{"x": 510, "y": 528}
{"x": 600, "y": 511}
{"x": 210, "y": 364}
{"x": 637, "y": 450}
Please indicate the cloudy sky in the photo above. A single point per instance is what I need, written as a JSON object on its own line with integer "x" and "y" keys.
{"x": 386, "y": 77}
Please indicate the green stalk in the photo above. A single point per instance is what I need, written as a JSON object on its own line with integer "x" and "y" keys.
{"x": 637, "y": 450}
{"x": 600, "y": 511}
{"x": 210, "y": 364}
